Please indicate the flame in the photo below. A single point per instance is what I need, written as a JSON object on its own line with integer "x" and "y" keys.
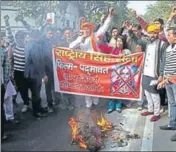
{"x": 75, "y": 137}
{"x": 82, "y": 143}
{"x": 104, "y": 124}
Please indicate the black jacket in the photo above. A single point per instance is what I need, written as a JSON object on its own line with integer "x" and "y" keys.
{"x": 160, "y": 49}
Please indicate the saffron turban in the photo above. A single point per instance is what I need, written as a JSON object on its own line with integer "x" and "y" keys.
{"x": 92, "y": 36}
{"x": 87, "y": 25}
{"x": 153, "y": 28}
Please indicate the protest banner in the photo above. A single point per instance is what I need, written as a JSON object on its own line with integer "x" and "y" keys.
{"x": 96, "y": 74}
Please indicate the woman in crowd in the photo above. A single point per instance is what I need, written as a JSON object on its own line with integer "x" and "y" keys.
{"x": 119, "y": 50}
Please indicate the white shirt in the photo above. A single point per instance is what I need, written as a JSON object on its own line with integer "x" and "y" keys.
{"x": 87, "y": 46}
{"x": 149, "y": 64}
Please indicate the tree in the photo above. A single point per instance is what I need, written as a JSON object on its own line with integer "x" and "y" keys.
{"x": 38, "y": 9}
{"x": 161, "y": 9}
{"x": 91, "y": 10}
{"x": 94, "y": 9}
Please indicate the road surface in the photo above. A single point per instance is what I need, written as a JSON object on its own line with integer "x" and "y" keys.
{"x": 53, "y": 132}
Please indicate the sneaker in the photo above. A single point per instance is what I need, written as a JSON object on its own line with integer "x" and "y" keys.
{"x": 146, "y": 113}
{"x": 166, "y": 127}
{"x": 111, "y": 106}
{"x": 88, "y": 104}
{"x": 70, "y": 107}
{"x": 50, "y": 110}
{"x": 6, "y": 137}
{"x": 162, "y": 110}
{"x": 24, "y": 109}
{"x": 53, "y": 103}
{"x": 95, "y": 103}
{"x": 119, "y": 110}
{"x": 155, "y": 118}
{"x": 14, "y": 121}
{"x": 173, "y": 138}
{"x": 38, "y": 115}
{"x": 62, "y": 106}
{"x": 140, "y": 108}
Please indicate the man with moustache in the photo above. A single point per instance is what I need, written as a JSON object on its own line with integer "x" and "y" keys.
{"x": 152, "y": 72}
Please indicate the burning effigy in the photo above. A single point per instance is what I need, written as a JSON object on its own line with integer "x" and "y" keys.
{"x": 91, "y": 132}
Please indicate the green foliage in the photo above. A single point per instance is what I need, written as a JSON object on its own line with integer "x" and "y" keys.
{"x": 161, "y": 9}
{"x": 92, "y": 10}
{"x": 38, "y": 9}
{"x": 34, "y": 9}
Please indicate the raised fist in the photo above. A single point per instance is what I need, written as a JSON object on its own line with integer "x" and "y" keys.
{"x": 126, "y": 24}
{"x": 111, "y": 11}
{"x": 134, "y": 13}
{"x": 174, "y": 9}
{"x": 173, "y": 14}
{"x": 6, "y": 18}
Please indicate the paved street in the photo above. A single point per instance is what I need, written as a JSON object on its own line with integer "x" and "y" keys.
{"x": 54, "y": 134}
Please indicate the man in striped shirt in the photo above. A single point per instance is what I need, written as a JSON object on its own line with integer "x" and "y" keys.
{"x": 17, "y": 44}
{"x": 169, "y": 70}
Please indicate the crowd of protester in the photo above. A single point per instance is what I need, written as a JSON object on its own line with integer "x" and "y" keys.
{"x": 26, "y": 62}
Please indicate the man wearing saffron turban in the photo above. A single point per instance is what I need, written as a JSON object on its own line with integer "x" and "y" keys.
{"x": 152, "y": 71}
{"x": 88, "y": 42}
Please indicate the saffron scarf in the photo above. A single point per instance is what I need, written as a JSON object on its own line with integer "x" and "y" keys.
{"x": 92, "y": 35}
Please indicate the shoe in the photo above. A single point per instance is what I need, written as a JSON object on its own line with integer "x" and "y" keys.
{"x": 111, "y": 106}
{"x": 43, "y": 110}
{"x": 140, "y": 108}
{"x": 162, "y": 110}
{"x": 146, "y": 113}
{"x": 155, "y": 118}
{"x": 166, "y": 127}
{"x": 95, "y": 103}
{"x": 50, "y": 110}
{"x": 173, "y": 138}
{"x": 119, "y": 110}
{"x": 62, "y": 106}
{"x": 6, "y": 137}
{"x": 89, "y": 104}
{"x": 38, "y": 115}
{"x": 118, "y": 106}
{"x": 70, "y": 107}
{"x": 14, "y": 121}
{"x": 24, "y": 109}
{"x": 53, "y": 103}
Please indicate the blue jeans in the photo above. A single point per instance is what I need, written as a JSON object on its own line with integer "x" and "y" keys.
{"x": 171, "y": 93}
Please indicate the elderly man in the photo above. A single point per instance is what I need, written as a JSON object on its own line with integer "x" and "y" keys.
{"x": 88, "y": 42}
{"x": 151, "y": 73}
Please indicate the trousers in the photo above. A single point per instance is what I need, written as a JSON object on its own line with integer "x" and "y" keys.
{"x": 35, "y": 87}
{"x": 2, "y": 110}
{"x": 91, "y": 100}
{"x": 153, "y": 100}
{"x": 8, "y": 108}
{"x": 21, "y": 83}
{"x": 171, "y": 94}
